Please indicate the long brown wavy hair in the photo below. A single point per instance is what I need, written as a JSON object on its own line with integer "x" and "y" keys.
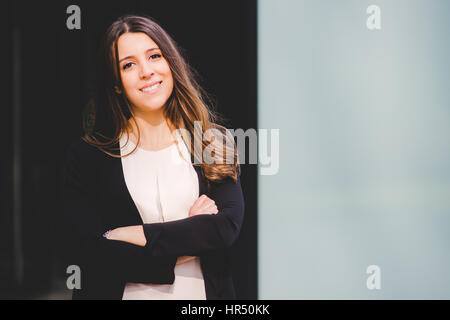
{"x": 108, "y": 113}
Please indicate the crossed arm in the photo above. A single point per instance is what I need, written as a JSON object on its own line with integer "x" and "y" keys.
{"x": 146, "y": 253}
{"x": 135, "y": 234}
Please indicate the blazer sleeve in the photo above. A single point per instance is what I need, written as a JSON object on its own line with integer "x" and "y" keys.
{"x": 201, "y": 233}
{"x": 85, "y": 229}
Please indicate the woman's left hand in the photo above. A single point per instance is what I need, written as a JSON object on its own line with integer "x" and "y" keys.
{"x": 131, "y": 234}
{"x": 203, "y": 205}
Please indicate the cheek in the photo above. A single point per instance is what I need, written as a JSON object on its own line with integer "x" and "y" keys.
{"x": 127, "y": 80}
{"x": 169, "y": 78}
{"x": 165, "y": 70}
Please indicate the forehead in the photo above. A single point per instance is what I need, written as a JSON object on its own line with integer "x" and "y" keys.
{"x": 134, "y": 43}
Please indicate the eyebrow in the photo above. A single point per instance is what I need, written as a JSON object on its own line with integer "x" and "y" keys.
{"x": 146, "y": 51}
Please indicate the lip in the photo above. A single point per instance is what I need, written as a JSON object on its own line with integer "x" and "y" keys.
{"x": 150, "y": 84}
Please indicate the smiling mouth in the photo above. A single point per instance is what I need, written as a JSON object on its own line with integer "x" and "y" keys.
{"x": 147, "y": 89}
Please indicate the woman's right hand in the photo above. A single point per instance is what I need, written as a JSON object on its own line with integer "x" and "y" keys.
{"x": 203, "y": 205}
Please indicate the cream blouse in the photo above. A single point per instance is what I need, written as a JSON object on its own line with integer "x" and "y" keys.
{"x": 163, "y": 185}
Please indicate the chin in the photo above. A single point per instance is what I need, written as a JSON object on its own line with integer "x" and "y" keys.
{"x": 151, "y": 107}
{"x": 151, "y": 103}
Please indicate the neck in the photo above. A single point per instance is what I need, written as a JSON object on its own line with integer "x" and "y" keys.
{"x": 153, "y": 126}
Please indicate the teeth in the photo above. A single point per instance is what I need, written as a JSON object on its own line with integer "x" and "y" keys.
{"x": 152, "y": 87}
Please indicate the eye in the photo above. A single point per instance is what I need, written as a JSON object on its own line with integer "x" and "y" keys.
{"x": 127, "y": 65}
{"x": 155, "y": 56}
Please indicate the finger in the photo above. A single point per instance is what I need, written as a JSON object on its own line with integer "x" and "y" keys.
{"x": 201, "y": 199}
{"x": 211, "y": 210}
{"x": 198, "y": 202}
{"x": 210, "y": 203}
{"x": 209, "y": 206}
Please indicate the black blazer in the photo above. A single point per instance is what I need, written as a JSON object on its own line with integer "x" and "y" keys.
{"x": 96, "y": 199}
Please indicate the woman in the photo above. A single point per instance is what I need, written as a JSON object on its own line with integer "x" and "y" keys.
{"x": 140, "y": 173}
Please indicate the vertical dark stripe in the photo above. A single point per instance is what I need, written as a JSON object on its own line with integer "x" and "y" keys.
{"x": 17, "y": 150}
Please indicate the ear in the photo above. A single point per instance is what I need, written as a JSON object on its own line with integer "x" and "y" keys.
{"x": 118, "y": 91}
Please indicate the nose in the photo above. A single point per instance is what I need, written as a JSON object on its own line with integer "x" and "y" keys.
{"x": 146, "y": 71}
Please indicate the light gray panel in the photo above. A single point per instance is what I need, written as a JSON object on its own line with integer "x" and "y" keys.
{"x": 364, "y": 176}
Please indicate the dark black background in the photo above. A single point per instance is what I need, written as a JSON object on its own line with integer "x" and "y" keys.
{"x": 47, "y": 79}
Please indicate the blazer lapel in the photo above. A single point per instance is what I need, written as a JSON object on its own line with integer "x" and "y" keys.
{"x": 202, "y": 184}
{"x": 122, "y": 209}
